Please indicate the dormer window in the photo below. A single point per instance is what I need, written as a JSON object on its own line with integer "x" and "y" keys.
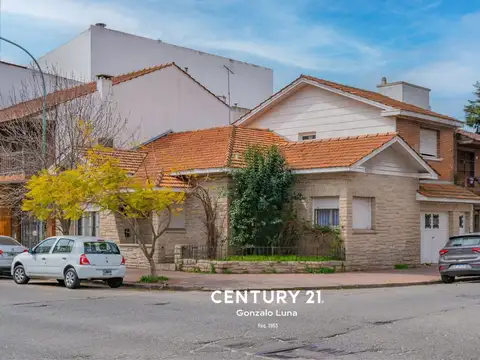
{"x": 307, "y": 136}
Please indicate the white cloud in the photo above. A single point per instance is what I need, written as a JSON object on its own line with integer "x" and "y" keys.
{"x": 293, "y": 42}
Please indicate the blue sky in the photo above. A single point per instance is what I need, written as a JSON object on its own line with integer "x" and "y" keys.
{"x": 433, "y": 43}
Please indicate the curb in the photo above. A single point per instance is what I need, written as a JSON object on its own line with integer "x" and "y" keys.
{"x": 167, "y": 287}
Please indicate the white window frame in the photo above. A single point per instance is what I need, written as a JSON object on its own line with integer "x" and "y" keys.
{"x": 327, "y": 203}
{"x": 305, "y": 136}
{"x": 429, "y": 143}
{"x": 85, "y": 223}
{"x": 362, "y": 218}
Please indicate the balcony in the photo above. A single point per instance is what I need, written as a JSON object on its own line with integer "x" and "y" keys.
{"x": 17, "y": 163}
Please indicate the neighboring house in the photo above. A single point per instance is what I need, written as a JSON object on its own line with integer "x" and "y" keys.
{"x": 468, "y": 166}
{"x": 21, "y": 83}
{"x": 311, "y": 108}
{"x": 364, "y": 184}
{"x": 153, "y": 100}
{"x": 99, "y": 50}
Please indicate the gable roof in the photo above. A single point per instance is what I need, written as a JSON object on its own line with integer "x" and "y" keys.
{"x": 221, "y": 149}
{"x": 433, "y": 192}
{"x": 471, "y": 135}
{"x": 374, "y": 98}
{"x": 34, "y": 106}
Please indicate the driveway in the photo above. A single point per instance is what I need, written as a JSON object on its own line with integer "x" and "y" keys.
{"x": 45, "y": 321}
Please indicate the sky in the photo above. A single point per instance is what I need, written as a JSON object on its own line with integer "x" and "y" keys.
{"x": 432, "y": 43}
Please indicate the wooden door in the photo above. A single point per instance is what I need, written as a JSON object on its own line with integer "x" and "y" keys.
{"x": 5, "y": 222}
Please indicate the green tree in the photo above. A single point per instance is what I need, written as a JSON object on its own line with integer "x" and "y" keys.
{"x": 472, "y": 110}
{"x": 259, "y": 197}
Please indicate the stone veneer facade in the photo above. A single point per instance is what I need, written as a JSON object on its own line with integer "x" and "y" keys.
{"x": 395, "y": 235}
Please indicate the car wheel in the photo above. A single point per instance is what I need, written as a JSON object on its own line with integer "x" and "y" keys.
{"x": 448, "y": 279}
{"x": 71, "y": 279}
{"x": 19, "y": 275}
{"x": 61, "y": 282}
{"x": 115, "y": 283}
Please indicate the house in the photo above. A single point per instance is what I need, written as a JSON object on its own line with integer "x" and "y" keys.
{"x": 311, "y": 108}
{"x": 100, "y": 50}
{"x": 365, "y": 184}
{"x": 153, "y": 101}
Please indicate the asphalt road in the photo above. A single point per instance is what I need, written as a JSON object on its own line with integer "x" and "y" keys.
{"x": 45, "y": 321}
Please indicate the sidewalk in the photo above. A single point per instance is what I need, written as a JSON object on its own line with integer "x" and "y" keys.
{"x": 207, "y": 282}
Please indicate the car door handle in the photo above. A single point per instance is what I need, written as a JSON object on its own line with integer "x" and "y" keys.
{"x": 64, "y": 258}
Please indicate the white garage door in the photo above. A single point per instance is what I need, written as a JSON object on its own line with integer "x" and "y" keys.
{"x": 434, "y": 235}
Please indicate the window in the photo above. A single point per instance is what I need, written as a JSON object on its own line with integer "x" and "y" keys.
{"x": 362, "y": 213}
{"x": 325, "y": 211}
{"x": 45, "y": 246}
{"x": 100, "y": 247}
{"x": 307, "y": 136}
{"x": 466, "y": 166}
{"x": 88, "y": 224}
{"x": 63, "y": 246}
{"x": 428, "y": 142}
{"x": 6, "y": 240}
{"x": 177, "y": 221}
{"x": 436, "y": 221}
{"x": 428, "y": 221}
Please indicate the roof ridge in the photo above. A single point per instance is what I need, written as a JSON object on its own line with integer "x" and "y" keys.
{"x": 343, "y": 138}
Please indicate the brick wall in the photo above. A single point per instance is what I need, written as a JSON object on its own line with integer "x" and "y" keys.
{"x": 409, "y": 130}
{"x": 396, "y": 235}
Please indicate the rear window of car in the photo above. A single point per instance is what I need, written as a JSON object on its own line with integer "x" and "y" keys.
{"x": 100, "y": 247}
{"x": 5, "y": 240}
{"x": 464, "y": 241}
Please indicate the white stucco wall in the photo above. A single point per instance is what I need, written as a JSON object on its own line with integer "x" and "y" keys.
{"x": 19, "y": 83}
{"x": 112, "y": 52}
{"x": 408, "y": 93}
{"x": 167, "y": 100}
{"x": 327, "y": 114}
{"x": 71, "y": 59}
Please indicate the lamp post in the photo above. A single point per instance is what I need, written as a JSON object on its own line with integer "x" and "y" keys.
{"x": 44, "y": 108}
{"x": 44, "y": 103}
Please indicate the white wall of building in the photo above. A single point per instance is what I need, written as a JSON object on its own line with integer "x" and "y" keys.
{"x": 19, "y": 83}
{"x": 406, "y": 92}
{"x": 327, "y": 114}
{"x": 71, "y": 59}
{"x": 112, "y": 52}
{"x": 166, "y": 100}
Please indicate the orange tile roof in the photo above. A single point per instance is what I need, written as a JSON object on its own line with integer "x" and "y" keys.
{"x": 366, "y": 94}
{"x": 340, "y": 152}
{"x": 446, "y": 191}
{"x": 469, "y": 134}
{"x": 33, "y": 107}
{"x": 129, "y": 160}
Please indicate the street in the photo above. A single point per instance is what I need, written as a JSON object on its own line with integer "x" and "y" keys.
{"x": 45, "y": 321}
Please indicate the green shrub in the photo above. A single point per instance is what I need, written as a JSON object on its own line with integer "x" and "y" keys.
{"x": 320, "y": 270}
{"x": 152, "y": 279}
{"x": 401, "y": 266}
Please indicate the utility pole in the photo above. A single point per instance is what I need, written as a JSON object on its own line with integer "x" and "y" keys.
{"x": 229, "y": 104}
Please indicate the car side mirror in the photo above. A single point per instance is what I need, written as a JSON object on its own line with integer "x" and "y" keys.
{"x": 31, "y": 251}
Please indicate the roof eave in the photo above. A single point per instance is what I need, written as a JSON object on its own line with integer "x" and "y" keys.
{"x": 421, "y": 197}
{"x": 396, "y": 112}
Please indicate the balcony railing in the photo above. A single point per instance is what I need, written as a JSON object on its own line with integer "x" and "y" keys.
{"x": 17, "y": 162}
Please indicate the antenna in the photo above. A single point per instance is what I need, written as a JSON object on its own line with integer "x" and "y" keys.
{"x": 229, "y": 107}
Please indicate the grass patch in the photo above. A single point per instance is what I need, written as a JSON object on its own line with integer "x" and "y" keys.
{"x": 401, "y": 266}
{"x": 278, "y": 258}
{"x": 152, "y": 279}
{"x": 320, "y": 270}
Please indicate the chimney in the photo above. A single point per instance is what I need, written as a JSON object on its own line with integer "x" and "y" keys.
{"x": 405, "y": 92}
{"x": 104, "y": 85}
{"x": 102, "y": 25}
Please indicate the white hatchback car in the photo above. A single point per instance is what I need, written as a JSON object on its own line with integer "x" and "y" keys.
{"x": 9, "y": 248}
{"x": 71, "y": 259}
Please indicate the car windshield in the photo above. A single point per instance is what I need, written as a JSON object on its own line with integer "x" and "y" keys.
{"x": 464, "y": 241}
{"x": 5, "y": 240}
{"x": 100, "y": 247}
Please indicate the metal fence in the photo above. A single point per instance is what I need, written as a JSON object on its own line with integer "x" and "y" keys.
{"x": 270, "y": 253}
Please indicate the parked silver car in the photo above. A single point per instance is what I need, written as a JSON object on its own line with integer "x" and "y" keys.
{"x": 9, "y": 248}
{"x": 460, "y": 257}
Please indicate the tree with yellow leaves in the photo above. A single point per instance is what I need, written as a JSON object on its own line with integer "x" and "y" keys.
{"x": 100, "y": 181}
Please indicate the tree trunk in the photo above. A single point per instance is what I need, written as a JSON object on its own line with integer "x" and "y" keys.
{"x": 153, "y": 267}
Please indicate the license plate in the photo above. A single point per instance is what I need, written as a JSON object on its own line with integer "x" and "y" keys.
{"x": 460, "y": 266}
{"x": 107, "y": 272}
